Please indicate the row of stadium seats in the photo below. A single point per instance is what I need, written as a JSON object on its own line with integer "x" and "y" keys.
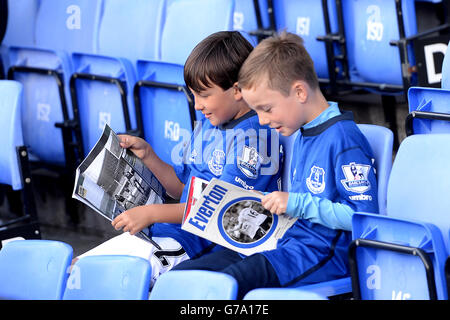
{"x": 41, "y": 270}
{"x": 85, "y": 63}
{"x": 402, "y": 253}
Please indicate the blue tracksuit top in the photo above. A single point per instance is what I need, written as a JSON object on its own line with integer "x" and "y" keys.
{"x": 333, "y": 164}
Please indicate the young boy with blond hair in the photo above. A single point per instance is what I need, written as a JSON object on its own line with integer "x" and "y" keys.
{"x": 278, "y": 81}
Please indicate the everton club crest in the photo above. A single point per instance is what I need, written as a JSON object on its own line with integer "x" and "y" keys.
{"x": 217, "y": 161}
{"x": 250, "y": 162}
{"x": 356, "y": 177}
{"x": 316, "y": 180}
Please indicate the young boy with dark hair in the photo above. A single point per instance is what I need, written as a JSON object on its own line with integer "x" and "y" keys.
{"x": 278, "y": 81}
{"x": 217, "y": 149}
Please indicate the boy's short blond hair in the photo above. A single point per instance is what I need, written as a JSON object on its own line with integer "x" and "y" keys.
{"x": 281, "y": 59}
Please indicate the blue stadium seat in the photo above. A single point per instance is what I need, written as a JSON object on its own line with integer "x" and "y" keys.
{"x": 188, "y": 22}
{"x": 14, "y": 166}
{"x": 287, "y": 143}
{"x": 245, "y": 18}
{"x": 429, "y": 111}
{"x": 381, "y": 141}
{"x": 70, "y": 26}
{"x": 34, "y": 269}
{"x": 428, "y": 107}
{"x": 11, "y": 137}
{"x": 166, "y": 108}
{"x": 306, "y": 18}
{"x": 102, "y": 85}
{"x": 370, "y": 25}
{"x": 402, "y": 255}
{"x": 61, "y": 27}
{"x": 109, "y": 278}
{"x": 282, "y": 294}
{"x": 21, "y": 23}
{"x": 194, "y": 285}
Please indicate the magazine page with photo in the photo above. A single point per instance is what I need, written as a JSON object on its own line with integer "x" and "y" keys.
{"x": 112, "y": 180}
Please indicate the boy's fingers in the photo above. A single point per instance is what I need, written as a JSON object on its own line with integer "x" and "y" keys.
{"x": 118, "y": 223}
{"x": 269, "y": 204}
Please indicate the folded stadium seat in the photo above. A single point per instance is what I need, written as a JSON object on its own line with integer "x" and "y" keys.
{"x": 167, "y": 110}
{"x": 102, "y": 83}
{"x": 34, "y": 269}
{"x": 381, "y": 141}
{"x": 14, "y": 166}
{"x": 306, "y": 18}
{"x": 194, "y": 285}
{"x": 106, "y": 277}
{"x": 402, "y": 255}
{"x": 61, "y": 27}
{"x": 248, "y": 19}
{"x": 282, "y": 294}
{"x": 370, "y": 26}
{"x": 429, "y": 111}
{"x": 428, "y": 107}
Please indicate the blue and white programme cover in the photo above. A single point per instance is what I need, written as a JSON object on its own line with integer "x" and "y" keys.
{"x": 234, "y": 217}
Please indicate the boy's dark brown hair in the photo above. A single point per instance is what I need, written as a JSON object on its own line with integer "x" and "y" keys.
{"x": 216, "y": 60}
{"x": 281, "y": 59}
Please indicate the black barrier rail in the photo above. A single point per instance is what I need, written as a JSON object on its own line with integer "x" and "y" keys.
{"x": 162, "y": 85}
{"x": 427, "y": 263}
{"x": 26, "y": 226}
{"x": 409, "y": 127}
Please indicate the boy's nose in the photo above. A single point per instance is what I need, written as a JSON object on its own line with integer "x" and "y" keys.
{"x": 198, "y": 106}
{"x": 263, "y": 120}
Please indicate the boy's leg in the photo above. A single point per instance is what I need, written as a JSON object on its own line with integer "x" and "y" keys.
{"x": 215, "y": 261}
{"x": 251, "y": 272}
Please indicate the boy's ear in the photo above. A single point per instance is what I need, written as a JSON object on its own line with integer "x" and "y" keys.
{"x": 237, "y": 91}
{"x": 300, "y": 89}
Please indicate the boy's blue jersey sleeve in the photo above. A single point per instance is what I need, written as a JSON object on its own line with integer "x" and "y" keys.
{"x": 356, "y": 190}
{"x": 333, "y": 215}
{"x": 356, "y": 180}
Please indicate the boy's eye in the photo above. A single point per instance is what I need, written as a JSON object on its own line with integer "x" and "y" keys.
{"x": 267, "y": 109}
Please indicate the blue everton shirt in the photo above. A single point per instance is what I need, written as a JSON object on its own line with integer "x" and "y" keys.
{"x": 241, "y": 152}
{"x": 332, "y": 169}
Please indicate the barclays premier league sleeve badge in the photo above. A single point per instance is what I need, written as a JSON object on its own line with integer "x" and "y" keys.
{"x": 250, "y": 162}
{"x": 356, "y": 177}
